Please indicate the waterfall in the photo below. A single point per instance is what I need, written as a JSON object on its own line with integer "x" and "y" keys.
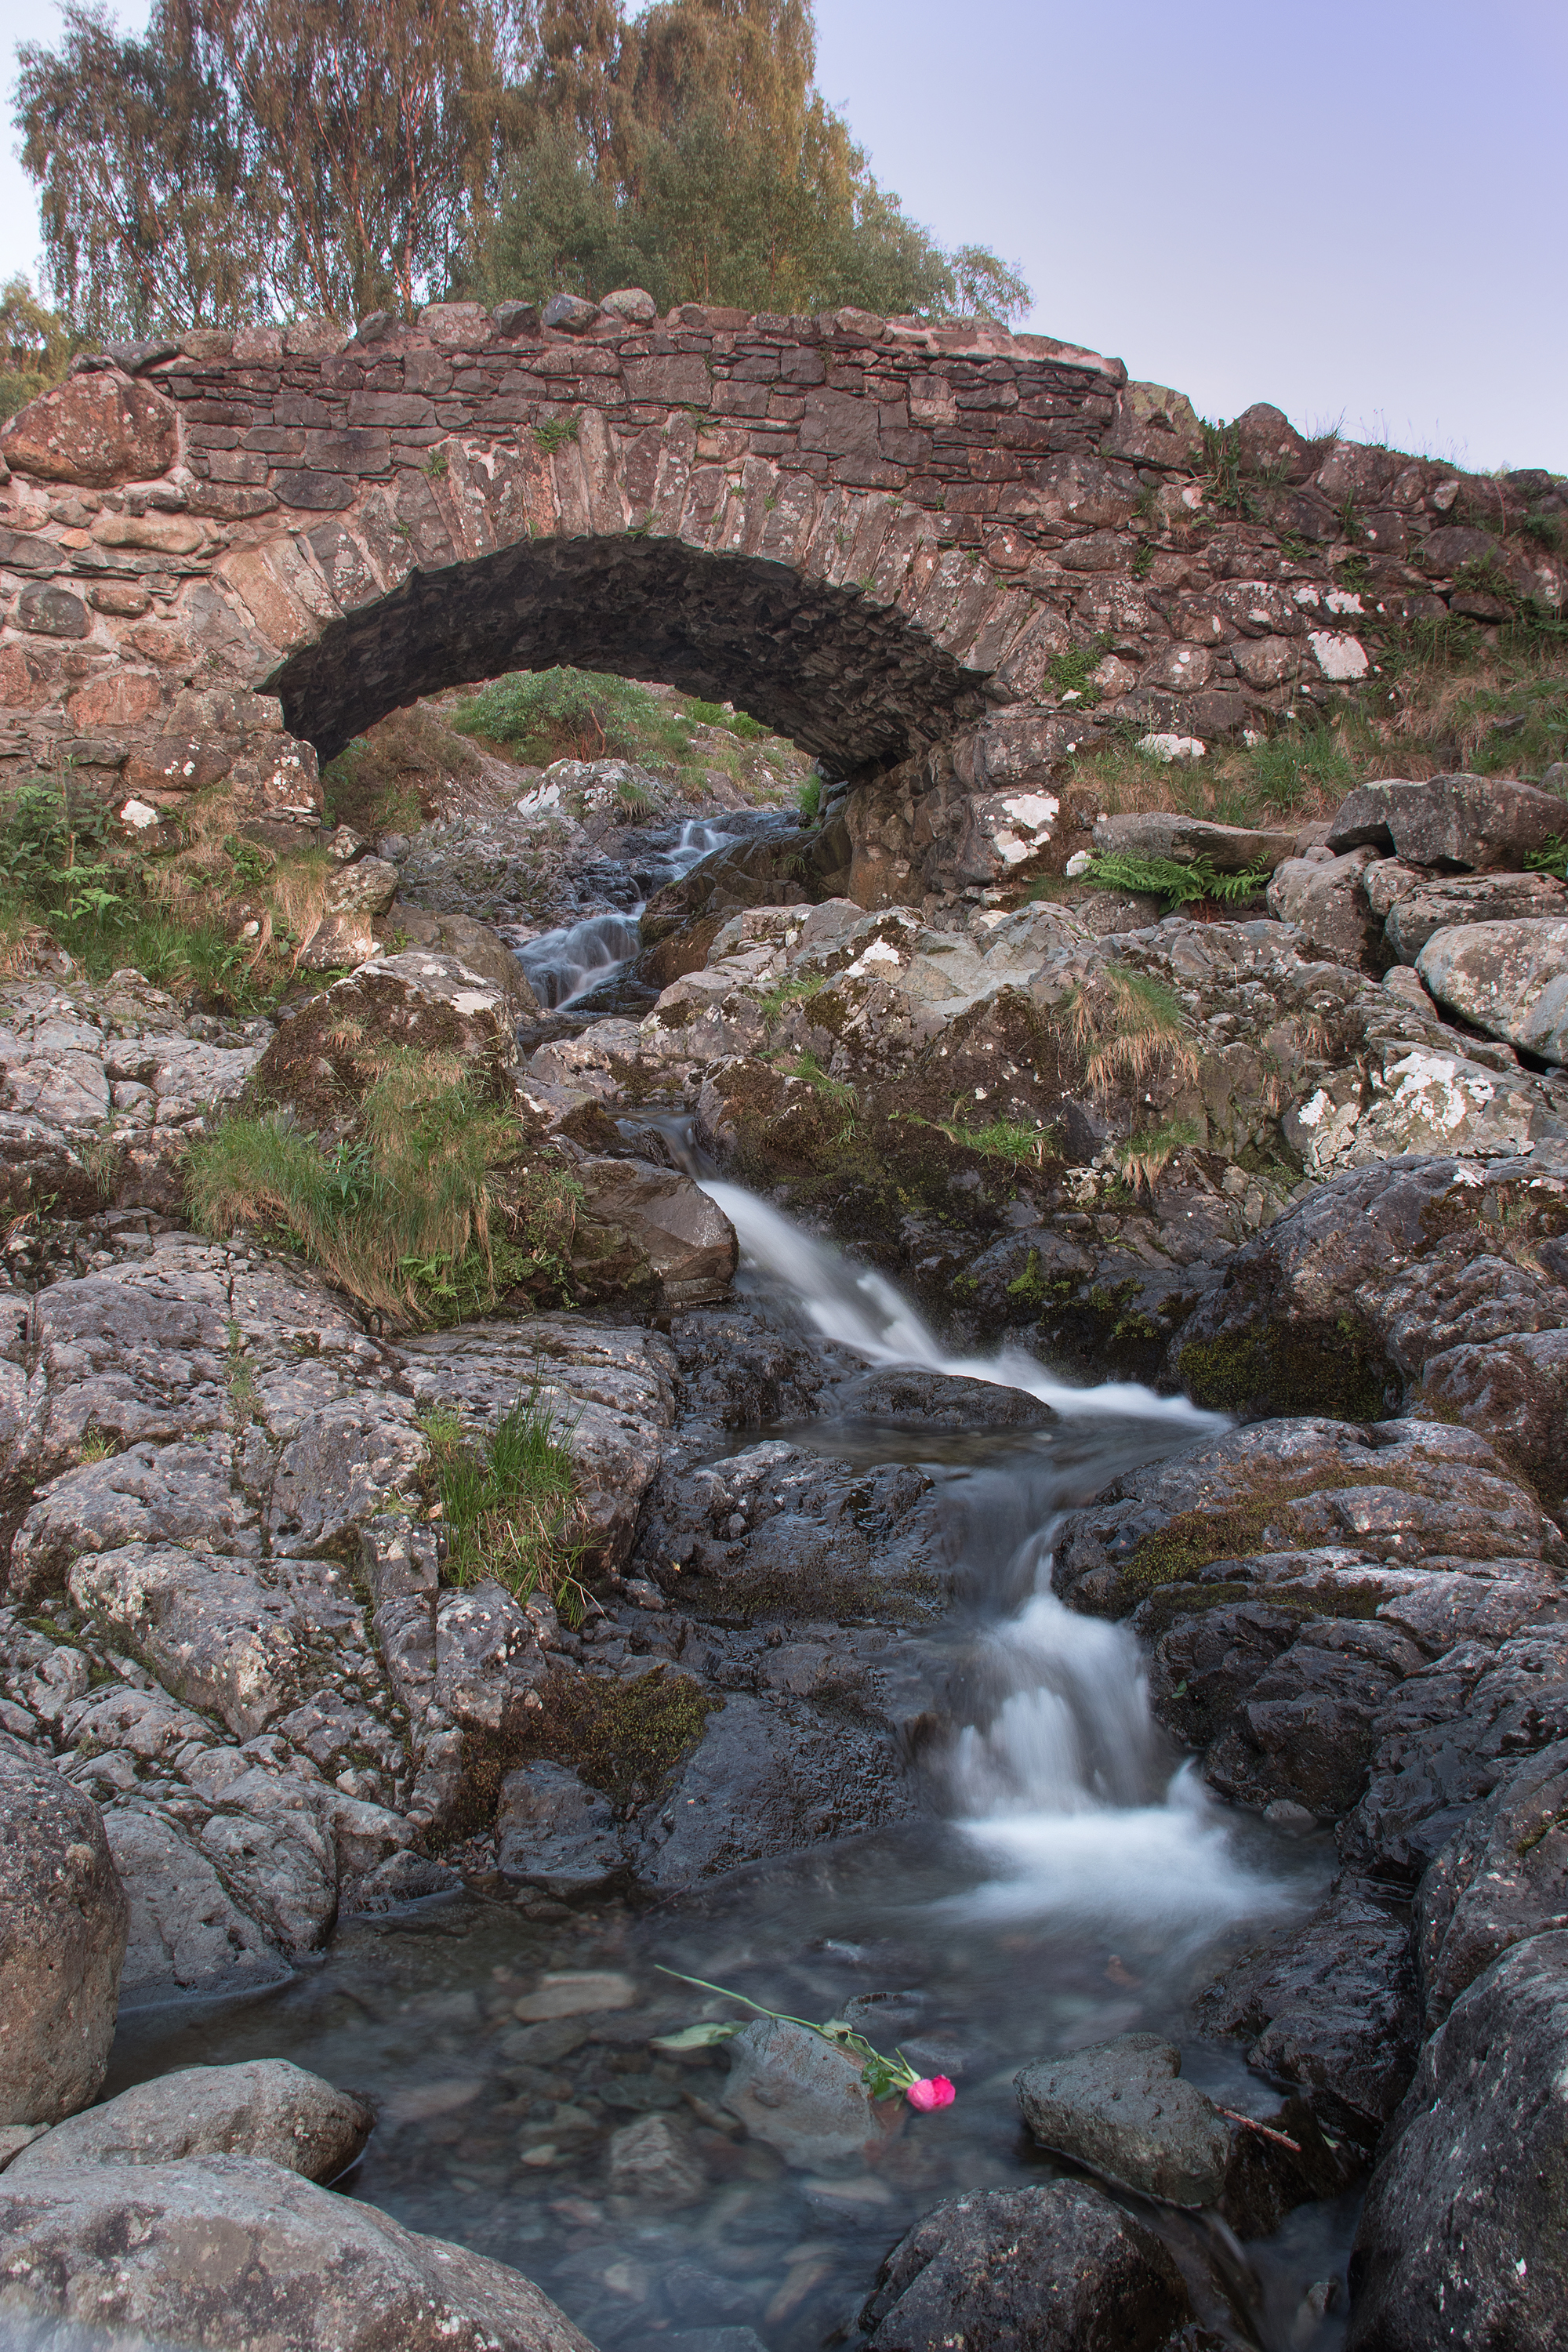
{"x": 1063, "y": 1784}
{"x": 563, "y": 965}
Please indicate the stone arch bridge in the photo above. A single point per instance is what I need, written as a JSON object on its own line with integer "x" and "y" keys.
{"x": 939, "y": 558}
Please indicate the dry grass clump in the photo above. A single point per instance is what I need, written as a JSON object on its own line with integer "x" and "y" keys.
{"x": 1127, "y": 1025}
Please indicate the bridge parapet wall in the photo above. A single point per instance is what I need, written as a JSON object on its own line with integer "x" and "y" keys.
{"x": 219, "y": 557}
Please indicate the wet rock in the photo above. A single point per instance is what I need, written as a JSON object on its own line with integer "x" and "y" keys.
{"x": 186, "y": 1934}
{"x": 1473, "y": 824}
{"x": 1123, "y": 2109}
{"x": 1447, "y": 1737}
{"x": 1509, "y": 978}
{"x": 1325, "y": 901}
{"x": 790, "y": 2088}
{"x": 1265, "y": 2182}
{"x": 1500, "y": 1879}
{"x": 62, "y": 1940}
{"x": 643, "y": 1226}
{"x": 742, "y": 1365}
{"x": 1058, "y": 2268}
{"x": 555, "y": 1832}
{"x": 769, "y": 1776}
{"x": 262, "y": 2107}
{"x": 920, "y": 1399}
{"x": 655, "y": 2161}
{"x": 233, "y": 2250}
{"x": 1430, "y": 903}
{"x": 1328, "y": 2005}
{"x": 1305, "y": 1729}
{"x": 1462, "y": 2239}
{"x": 770, "y": 871}
{"x": 1421, "y": 1278}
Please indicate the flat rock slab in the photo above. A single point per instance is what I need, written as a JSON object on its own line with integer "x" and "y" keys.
{"x": 1122, "y": 2108}
{"x": 262, "y": 2107}
{"x": 232, "y": 2250}
{"x": 1473, "y": 824}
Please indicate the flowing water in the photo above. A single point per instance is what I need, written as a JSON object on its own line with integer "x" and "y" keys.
{"x": 1073, "y": 1881}
{"x": 566, "y": 965}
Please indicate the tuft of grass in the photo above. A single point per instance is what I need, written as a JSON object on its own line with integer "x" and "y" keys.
{"x": 735, "y": 722}
{"x": 554, "y": 431}
{"x": 635, "y": 798}
{"x": 792, "y": 992}
{"x": 810, "y": 802}
{"x": 1003, "y": 1138}
{"x": 506, "y": 1503}
{"x": 1125, "y": 1026}
{"x": 1293, "y": 768}
{"x": 403, "y": 1213}
{"x": 1072, "y": 671}
{"x": 1146, "y": 1157}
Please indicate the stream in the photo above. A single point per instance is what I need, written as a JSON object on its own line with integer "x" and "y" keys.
{"x": 1074, "y": 1881}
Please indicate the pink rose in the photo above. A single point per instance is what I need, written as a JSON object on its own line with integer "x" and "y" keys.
{"x": 933, "y": 2091}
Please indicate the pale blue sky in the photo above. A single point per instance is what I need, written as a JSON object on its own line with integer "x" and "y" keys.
{"x": 1353, "y": 209}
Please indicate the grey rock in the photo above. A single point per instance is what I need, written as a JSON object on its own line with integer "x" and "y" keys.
{"x": 570, "y": 313}
{"x": 1328, "y": 2005}
{"x": 1463, "y": 2238}
{"x": 489, "y": 1663}
{"x": 148, "y": 1495}
{"x": 1502, "y": 1878}
{"x": 1421, "y": 1279}
{"x": 1473, "y": 824}
{"x": 1061, "y": 2269}
{"x": 1510, "y": 978}
{"x": 232, "y": 2250}
{"x": 921, "y": 1400}
{"x": 679, "y": 1239}
{"x": 262, "y": 2107}
{"x": 805, "y": 2099}
{"x": 186, "y": 1933}
{"x": 1439, "y": 903}
{"x": 654, "y": 2159}
{"x": 1165, "y": 833}
{"x": 475, "y": 946}
{"x": 1326, "y": 901}
{"x": 632, "y": 303}
{"x": 62, "y": 1940}
{"x": 556, "y": 1833}
{"x": 1123, "y": 2109}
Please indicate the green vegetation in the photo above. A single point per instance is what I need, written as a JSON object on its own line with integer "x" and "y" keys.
{"x": 545, "y": 715}
{"x": 792, "y": 992}
{"x": 1552, "y": 858}
{"x": 506, "y": 1504}
{"x": 718, "y": 714}
{"x": 1125, "y": 1024}
{"x": 835, "y": 1094}
{"x": 1179, "y": 884}
{"x": 553, "y": 433}
{"x": 811, "y": 798}
{"x": 1073, "y": 672}
{"x": 1001, "y": 1139}
{"x": 404, "y": 1213}
{"x": 1146, "y": 1157}
{"x": 35, "y": 347}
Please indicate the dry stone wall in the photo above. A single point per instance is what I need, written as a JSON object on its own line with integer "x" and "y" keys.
{"x": 941, "y": 558}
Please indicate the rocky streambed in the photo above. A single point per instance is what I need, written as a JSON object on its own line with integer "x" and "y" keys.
{"x": 1102, "y": 1626}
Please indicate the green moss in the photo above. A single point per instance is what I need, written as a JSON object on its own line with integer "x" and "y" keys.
{"x": 625, "y": 1738}
{"x": 1331, "y": 1369}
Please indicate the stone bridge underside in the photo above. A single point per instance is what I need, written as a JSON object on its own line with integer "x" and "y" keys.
{"x": 221, "y": 558}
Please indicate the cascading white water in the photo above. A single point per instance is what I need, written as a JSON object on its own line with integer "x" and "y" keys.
{"x": 1063, "y": 1790}
{"x": 862, "y": 1310}
{"x": 563, "y": 965}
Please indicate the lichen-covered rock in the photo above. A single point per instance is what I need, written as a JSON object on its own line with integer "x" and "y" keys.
{"x": 1325, "y": 900}
{"x": 1509, "y": 978}
{"x": 1440, "y": 902}
{"x": 1473, "y": 822}
{"x": 1434, "y": 1278}
{"x": 186, "y": 1934}
{"x": 233, "y": 2250}
{"x": 62, "y": 1939}
{"x": 1463, "y": 2237}
{"x": 96, "y": 429}
{"x": 262, "y": 2108}
{"x": 1122, "y": 2108}
{"x": 1059, "y": 2268}
{"x": 1166, "y": 832}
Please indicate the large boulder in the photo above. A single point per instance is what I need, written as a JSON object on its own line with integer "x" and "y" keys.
{"x": 1166, "y": 832}
{"x": 1457, "y": 822}
{"x": 642, "y": 1227}
{"x": 1429, "y": 903}
{"x": 262, "y": 2107}
{"x": 233, "y": 2250}
{"x": 1509, "y": 978}
{"x": 475, "y": 945}
{"x": 1439, "y": 1279}
{"x": 62, "y": 1940}
{"x": 1324, "y": 898}
{"x": 321, "y": 1061}
{"x": 1463, "y": 2238}
{"x": 773, "y": 871}
{"x": 1123, "y": 2109}
{"x": 1057, "y": 2269}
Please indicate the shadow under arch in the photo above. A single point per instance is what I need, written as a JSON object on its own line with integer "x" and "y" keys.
{"x": 850, "y": 680}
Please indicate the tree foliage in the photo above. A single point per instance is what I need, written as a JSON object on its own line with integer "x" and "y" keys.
{"x": 35, "y": 347}
{"x": 257, "y": 159}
